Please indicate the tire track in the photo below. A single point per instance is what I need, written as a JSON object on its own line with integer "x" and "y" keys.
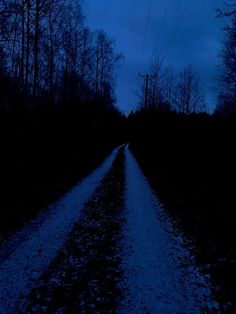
{"x": 86, "y": 275}
{"x": 28, "y": 254}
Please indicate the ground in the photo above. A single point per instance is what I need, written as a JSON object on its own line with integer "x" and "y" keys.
{"x": 107, "y": 247}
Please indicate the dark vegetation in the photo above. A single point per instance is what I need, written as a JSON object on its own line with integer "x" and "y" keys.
{"x": 189, "y": 158}
{"x": 57, "y": 116}
{"x": 190, "y": 162}
{"x": 44, "y": 154}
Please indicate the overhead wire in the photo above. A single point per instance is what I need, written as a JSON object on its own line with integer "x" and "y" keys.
{"x": 176, "y": 30}
{"x": 146, "y": 29}
{"x": 162, "y": 22}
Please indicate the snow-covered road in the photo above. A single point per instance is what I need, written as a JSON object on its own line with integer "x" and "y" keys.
{"x": 159, "y": 273}
{"x": 32, "y": 250}
{"x": 161, "y": 276}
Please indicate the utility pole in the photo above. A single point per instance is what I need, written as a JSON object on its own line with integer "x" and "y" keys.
{"x": 147, "y": 79}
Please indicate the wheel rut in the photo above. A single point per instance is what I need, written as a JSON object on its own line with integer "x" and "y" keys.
{"x": 85, "y": 276}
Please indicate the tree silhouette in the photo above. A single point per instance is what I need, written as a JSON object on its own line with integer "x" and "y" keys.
{"x": 188, "y": 92}
{"x": 48, "y": 47}
{"x": 227, "y": 75}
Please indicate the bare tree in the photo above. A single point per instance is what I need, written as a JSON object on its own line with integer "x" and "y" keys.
{"x": 50, "y": 52}
{"x": 227, "y": 75}
{"x": 162, "y": 86}
{"x": 157, "y": 88}
{"x": 13, "y": 35}
{"x": 106, "y": 61}
{"x": 189, "y": 96}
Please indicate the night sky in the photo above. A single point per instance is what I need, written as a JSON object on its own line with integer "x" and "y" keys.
{"x": 197, "y": 40}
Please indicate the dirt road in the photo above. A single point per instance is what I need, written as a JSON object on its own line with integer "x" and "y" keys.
{"x": 107, "y": 247}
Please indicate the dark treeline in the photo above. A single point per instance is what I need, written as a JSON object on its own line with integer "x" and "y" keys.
{"x": 189, "y": 157}
{"x": 165, "y": 90}
{"x": 57, "y": 114}
{"x": 49, "y": 56}
{"x": 227, "y": 74}
{"x": 190, "y": 162}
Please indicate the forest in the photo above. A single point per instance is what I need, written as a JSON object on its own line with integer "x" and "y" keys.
{"x": 59, "y": 120}
{"x": 189, "y": 156}
{"x": 57, "y": 115}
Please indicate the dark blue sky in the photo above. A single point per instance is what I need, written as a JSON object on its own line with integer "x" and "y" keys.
{"x": 197, "y": 41}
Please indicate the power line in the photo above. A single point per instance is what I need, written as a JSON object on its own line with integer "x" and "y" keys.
{"x": 146, "y": 28}
{"x": 163, "y": 18}
{"x": 147, "y": 78}
{"x": 175, "y": 30}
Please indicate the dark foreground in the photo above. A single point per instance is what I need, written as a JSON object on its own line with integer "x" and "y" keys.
{"x": 190, "y": 163}
{"x": 107, "y": 246}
